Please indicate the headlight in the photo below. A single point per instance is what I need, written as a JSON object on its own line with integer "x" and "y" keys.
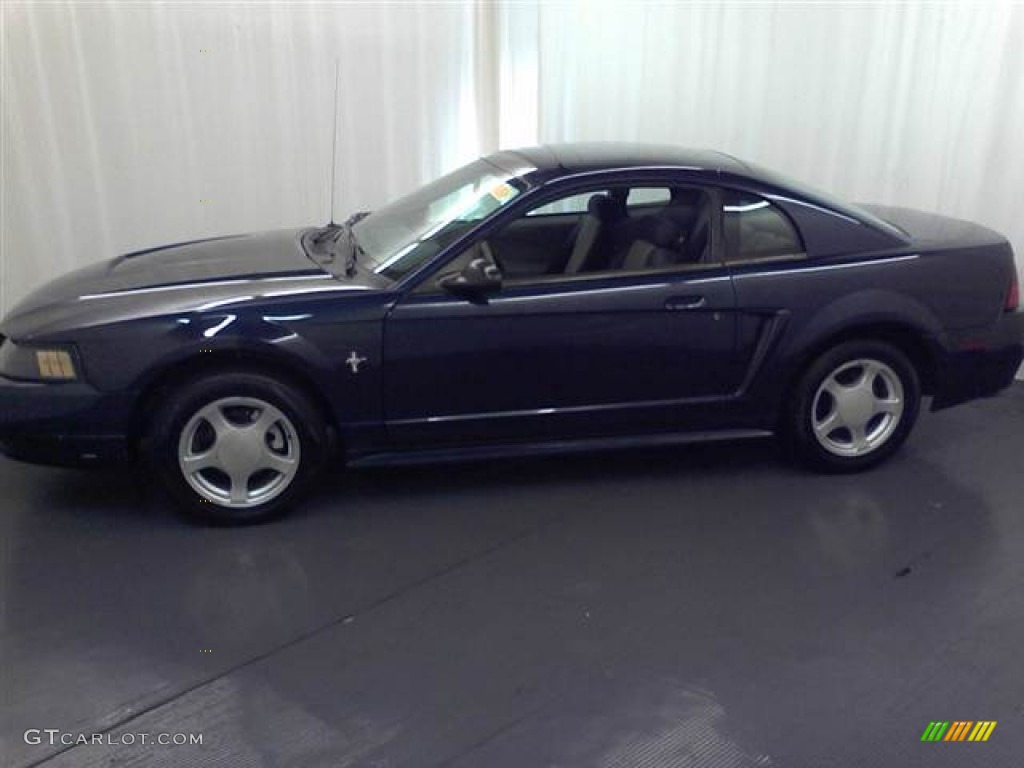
{"x": 49, "y": 362}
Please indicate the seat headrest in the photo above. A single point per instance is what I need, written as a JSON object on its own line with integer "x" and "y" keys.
{"x": 605, "y": 208}
{"x": 684, "y": 196}
{"x": 661, "y": 232}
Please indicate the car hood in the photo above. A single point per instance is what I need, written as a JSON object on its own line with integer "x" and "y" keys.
{"x": 188, "y": 276}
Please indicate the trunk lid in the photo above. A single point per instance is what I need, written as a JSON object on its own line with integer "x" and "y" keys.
{"x": 928, "y": 229}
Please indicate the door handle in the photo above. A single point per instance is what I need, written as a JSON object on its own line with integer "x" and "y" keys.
{"x": 685, "y": 302}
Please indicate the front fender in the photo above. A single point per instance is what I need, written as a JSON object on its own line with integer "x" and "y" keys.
{"x": 131, "y": 357}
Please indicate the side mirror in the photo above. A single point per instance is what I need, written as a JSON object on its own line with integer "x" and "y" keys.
{"x": 479, "y": 278}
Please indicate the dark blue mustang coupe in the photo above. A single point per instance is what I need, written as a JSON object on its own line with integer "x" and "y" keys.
{"x": 543, "y": 300}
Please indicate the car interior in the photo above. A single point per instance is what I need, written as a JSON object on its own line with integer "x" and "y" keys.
{"x": 628, "y": 229}
{"x": 618, "y": 229}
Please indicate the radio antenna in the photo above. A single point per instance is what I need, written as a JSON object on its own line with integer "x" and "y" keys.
{"x": 334, "y": 142}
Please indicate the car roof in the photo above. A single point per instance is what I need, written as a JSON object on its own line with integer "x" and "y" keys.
{"x": 594, "y": 156}
{"x": 551, "y": 161}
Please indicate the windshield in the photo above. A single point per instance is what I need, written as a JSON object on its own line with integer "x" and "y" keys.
{"x": 399, "y": 237}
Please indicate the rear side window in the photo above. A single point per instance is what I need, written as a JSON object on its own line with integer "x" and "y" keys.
{"x": 756, "y": 229}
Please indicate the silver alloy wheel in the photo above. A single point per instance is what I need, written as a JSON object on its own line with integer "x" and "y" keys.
{"x": 239, "y": 452}
{"x": 857, "y": 408}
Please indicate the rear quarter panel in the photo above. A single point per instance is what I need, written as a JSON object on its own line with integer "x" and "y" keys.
{"x": 795, "y": 307}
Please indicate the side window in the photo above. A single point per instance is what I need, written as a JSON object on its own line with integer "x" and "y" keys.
{"x": 617, "y": 229}
{"x": 574, "y": 204}
{"x": 612, "y": 229}
{"x": 756, "y": 229}
{"x": 647, "y": 197}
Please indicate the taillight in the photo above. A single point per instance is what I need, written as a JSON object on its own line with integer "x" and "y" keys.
{"x": 1013, "y": 296}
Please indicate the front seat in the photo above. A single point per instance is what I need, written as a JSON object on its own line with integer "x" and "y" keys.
{"x": 683, "y": 207}
{"x": 654, "y": 246}
{"x": 700, "y": 237}
{"x": 588, "y": 246}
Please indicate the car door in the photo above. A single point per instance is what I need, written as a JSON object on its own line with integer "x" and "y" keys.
{"x": 613, "y": 352}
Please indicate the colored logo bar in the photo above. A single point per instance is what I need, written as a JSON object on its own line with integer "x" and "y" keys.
{"x": 959, "y": 730}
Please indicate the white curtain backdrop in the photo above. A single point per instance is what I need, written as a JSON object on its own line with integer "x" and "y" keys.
{"x": 127, "y": 125}
{"x": 911, "y": 104}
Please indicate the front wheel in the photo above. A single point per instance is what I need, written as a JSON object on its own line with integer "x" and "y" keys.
{"x": 236, "y": 446}
{"x": 853, "y": 407}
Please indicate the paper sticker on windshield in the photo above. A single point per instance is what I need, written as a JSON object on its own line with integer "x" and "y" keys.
{"x": 502, "y": 192}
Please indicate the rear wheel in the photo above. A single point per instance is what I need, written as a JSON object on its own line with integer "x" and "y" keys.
{"x": 853, "y": 407}
{"x": 236, "y": 447}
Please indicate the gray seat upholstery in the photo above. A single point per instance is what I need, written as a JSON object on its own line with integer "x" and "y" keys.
{"x": 653, "y": 247}
{"x": 587, "y": 250}
{"x": 683, "y": 208}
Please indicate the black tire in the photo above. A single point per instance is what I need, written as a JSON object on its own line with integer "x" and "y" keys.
{"x": 295, "y": 434}
{"x": 839, "y": 448}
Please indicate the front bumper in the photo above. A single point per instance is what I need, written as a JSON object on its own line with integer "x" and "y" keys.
{"x": 63, "y": 424}
{"x": 980, "y": 365}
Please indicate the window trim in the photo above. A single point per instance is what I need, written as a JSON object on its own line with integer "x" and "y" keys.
{"x": 802, "y": 256}
{"x": 612, "y": 274}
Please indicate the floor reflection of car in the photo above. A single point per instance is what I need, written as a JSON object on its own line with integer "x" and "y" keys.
{"x": 535, "y": 301}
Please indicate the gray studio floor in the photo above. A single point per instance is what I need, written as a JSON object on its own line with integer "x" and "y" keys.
{"x": 706, "y": 606}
